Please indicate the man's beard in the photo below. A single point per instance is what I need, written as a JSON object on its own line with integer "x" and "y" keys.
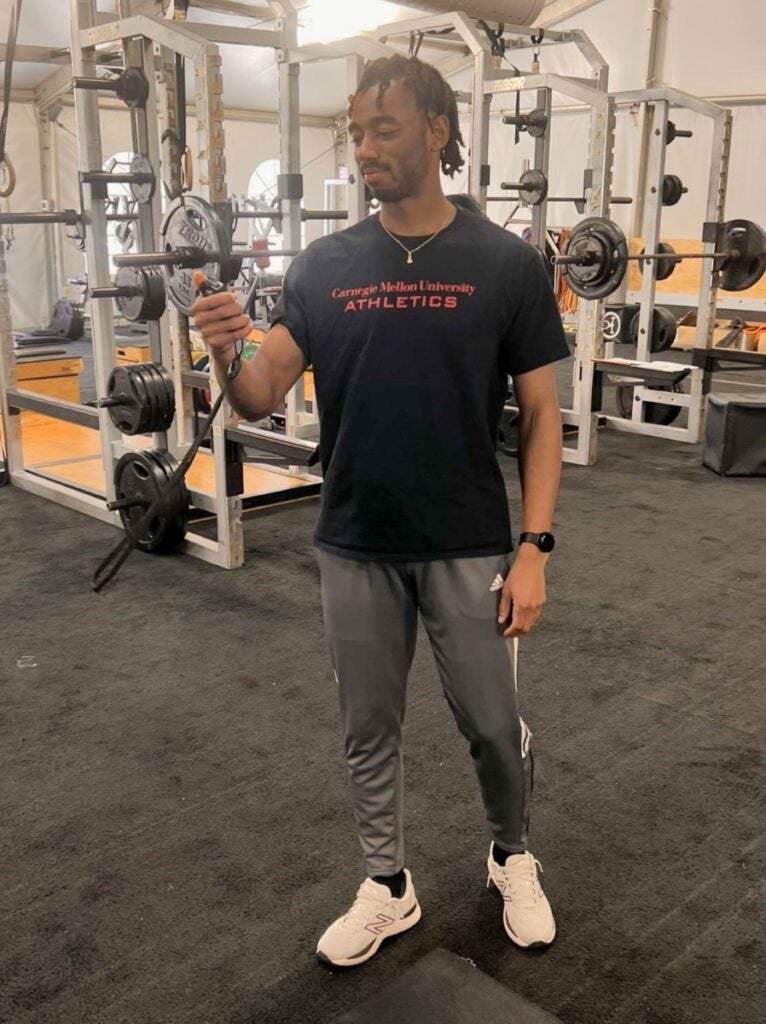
{"x": 413, "y": 171}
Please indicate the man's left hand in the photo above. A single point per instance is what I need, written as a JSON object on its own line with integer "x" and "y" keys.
{"x": 523, "y": 593}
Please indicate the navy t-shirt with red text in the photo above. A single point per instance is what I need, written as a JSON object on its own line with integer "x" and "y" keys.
{"x": 410, "y": 371}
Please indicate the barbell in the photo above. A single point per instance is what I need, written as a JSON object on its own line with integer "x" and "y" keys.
{"x": 194, "y": 237}
{"x": 596, "y": 257}
{"x": 533, "y": 190}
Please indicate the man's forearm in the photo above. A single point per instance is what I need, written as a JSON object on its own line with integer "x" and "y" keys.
{"x": 250, "y": 393}
{"x": 540, "y": 448}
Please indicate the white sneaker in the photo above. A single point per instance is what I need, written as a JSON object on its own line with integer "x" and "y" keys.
{"x": 375, "y": 915}
{"x": 527, "y": 914}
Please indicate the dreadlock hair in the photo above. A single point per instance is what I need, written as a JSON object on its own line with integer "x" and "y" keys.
{"x": 432, "y": 94}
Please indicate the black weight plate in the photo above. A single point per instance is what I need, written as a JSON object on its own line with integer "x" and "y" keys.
{"x": 607, "y": 243}
{"x": 149, "y": 384}
{"x": 163, "y": 392}
{"x": 126, "y": 417}
{"x": 154, "y": 307}
{"x": 654, "y": 412}
{"x": 191, "y": 224}
{"x": 535, "y": 188}
{"x": 142, "y": 192}
{"x": 178, "y": 501}
{"x": 67, "y": 320}
{"x": 672, "y": 190}
{"x": 666, "y": 264}
{"x": 743, "y": 271}
{"x": 143, "y": 398}
{"x": 138, "y": 477}
{"x": 202, "y": 399}
{"x": 664, "y": 329}
{"x": 133, "y": 88}
{"x": 166, "y": 392}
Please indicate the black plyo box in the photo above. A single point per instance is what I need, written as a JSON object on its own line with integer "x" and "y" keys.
{"x": 443, "y": 988}
{"x": 735, "y": 436}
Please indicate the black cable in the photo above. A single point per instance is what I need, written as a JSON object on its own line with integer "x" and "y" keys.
{"x": 111, "y": 565}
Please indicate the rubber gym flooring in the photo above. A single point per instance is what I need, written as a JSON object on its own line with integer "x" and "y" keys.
{"x": 175, "y": 826}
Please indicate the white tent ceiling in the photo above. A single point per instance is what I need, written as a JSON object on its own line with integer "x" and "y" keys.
{"x": 249, "y": 74}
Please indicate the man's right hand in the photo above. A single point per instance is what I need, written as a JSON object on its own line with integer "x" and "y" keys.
{"x": 220, "y": 318}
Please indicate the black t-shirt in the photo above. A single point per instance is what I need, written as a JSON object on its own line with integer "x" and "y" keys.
{"x": 410, "y": 371}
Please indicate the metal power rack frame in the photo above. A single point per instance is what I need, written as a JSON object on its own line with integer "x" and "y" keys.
{"x": 658, "y": 103}
{"x": 151, "y": 44}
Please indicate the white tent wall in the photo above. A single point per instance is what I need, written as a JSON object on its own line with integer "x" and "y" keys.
{"x": 691, "y": 57}
{"x": 25, "y": 260}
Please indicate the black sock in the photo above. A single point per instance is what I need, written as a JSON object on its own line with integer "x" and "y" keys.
{"x": 500, "y": 856}
{"x": 396, "y": 883}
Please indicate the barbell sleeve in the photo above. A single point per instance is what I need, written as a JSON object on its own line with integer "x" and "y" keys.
{"x": 113, "y": 292}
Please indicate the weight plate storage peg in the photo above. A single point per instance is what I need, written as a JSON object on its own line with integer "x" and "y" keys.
{"x": 141, "y": 479}
{"x": 191, "y": 225}
{"x": 140, "y": 398}
{"x": 595, "y": 258}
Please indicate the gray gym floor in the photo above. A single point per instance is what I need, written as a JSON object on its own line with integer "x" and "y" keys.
{"x": 176, "y": 832}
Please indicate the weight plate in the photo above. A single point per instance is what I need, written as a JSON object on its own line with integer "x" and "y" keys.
{"x": 142, "y": 192}
{"x": 666, "y": 263}
{"x": 130, "y": 306}
{"x": 202, "y": 399}
{"x": 127, "y": 416}
{"x": 192, "y": 225}
{"x": 67, "y": 320}
{"x": 165, "y": 391}
{"x": 133, "y": 87}
{"x": 179, "y": 500}
{"x": 604, "y": 245}
{"x": 142, "y": 477}
{"x": 143, "y": 399}
{"x": 154, "y": 306}
{"x": 141, "y": 373}
{"x": 654, "y": 412}
{"x": 537, "y": 122}
{"x": 535, "y": 187}
{"x": 664, "y": 329}
{"x": 749, "y": 240}
{"x": 672, "y": 190}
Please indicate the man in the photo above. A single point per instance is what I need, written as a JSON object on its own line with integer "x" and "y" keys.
{"x": 412, "y": 321}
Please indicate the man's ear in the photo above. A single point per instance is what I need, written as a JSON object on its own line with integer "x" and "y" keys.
{"x": 440, "y": 132}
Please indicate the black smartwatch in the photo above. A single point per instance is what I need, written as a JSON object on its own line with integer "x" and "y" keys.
{"x": 545, "y": 541}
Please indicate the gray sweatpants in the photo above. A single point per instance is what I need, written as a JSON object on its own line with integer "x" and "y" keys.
{"x": 370, "y": 615}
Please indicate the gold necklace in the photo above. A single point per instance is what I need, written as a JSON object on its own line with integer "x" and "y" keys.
{"x": 422, "y": 244}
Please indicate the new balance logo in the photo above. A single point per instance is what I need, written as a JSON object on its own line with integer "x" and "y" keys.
{"x": 380, "y": 923}
{"x": 497, "y": 583}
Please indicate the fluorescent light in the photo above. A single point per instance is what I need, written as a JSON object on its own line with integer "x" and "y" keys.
{"x": 324, "y": 21}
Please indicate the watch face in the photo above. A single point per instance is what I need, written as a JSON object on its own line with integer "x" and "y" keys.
{"x": 546, "y": 543}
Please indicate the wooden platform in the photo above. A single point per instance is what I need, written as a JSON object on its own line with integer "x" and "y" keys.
{"x": 72, "y": 454}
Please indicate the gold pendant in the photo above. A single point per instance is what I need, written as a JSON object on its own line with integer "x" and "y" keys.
{"x": 409, "y": 257}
